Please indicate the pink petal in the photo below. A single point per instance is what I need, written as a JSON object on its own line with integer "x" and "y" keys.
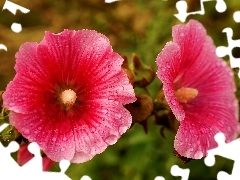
{"x": 190, "y": 61}
{"x": 168, "y": 67}
{"x": 30, "y": 77}
{"x": 53, "y": 134}
{"x": 84, "y": 62}
{"x": 116, "y": 120}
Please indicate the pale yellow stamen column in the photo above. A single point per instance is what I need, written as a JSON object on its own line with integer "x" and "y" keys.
{"x": 186, "y": 94}
{"x": 68, "y": 97}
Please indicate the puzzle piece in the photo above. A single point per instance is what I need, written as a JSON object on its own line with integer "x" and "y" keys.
{"x": 159, "y": 178}
{"x": 12, "y": 7}
{"x": 32, "y": 169}
{"x": 3, "y": 126}
{"x": 2, "y": 46}
{"x": 228, "y": 150}
{"x": 85, "y": 177}
{"x": 15, "y": 27}
{"x": 110, "y": 1}
{"x": 7, "y": 159}
{"x": 182, "y": 9}
{"x": 176, "y": 171}
{"x": 236, "y": 16}
{"x": 222, "y": 51}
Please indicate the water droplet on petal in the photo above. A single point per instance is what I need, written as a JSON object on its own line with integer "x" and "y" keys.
{"x": 229, "y": 129}
{"x": 105, "y": 111}
{"x": 112, "y": 139}
{"x": 26, "y": 131}
{"x": 12, "y": 104}
{"x": 54, "y": 139}
{"x": 63, "y": 149}
{"x": 122, "y": 129}
{"x": 198, "y": 155}
{"x": 93, "y": 129}
{"x": 118, "y": 115}
{"x": 80, "y": 157}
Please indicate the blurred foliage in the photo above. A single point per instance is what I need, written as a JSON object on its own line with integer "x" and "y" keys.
{"x": 139, "y": 26}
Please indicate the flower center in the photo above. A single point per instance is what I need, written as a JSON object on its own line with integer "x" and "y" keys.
{"x": 68, "y": 97}
{"x": 184, "y": 95}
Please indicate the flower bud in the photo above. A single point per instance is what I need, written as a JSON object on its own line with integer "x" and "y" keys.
{"x": 141, "y": 109}
{"x": 144, "y": 74}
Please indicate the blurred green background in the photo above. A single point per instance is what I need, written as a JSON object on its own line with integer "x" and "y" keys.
{"x": 140, "y": 26}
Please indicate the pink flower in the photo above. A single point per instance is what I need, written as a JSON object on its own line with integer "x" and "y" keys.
{"x": 199, "y": 88}
{"x": 24, "y": 156}
{"x": 68, "y": 95}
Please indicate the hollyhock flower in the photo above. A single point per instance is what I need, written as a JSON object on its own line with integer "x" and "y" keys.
{"x": 68, "y": 95}
{"x": 199, "y": 88}
{"x": 24, "y": 156}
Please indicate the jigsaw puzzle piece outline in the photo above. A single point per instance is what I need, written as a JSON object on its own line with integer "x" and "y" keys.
{"x": 159, "y": 178}
{"x": 236, "y": 16}
{"x": 31, "y": 169}
{"x": 222, "y": 51}
{"x": 177, "y": 171}
{"x": 227, "y": 150}
{"x": 181, "y": 6}
{"x": 12, "y": 7}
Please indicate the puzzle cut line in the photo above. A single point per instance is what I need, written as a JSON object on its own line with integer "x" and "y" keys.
{"x": 227, "y": 150}
{"x": 182, "y": 6}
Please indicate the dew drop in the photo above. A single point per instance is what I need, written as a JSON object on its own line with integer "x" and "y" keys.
{"x": 26, "y": 131}
{"x": 63, "y": 149}
{"x": 54, "y": 139}
{"x": 80, "y": 157}
{"x": 122, "y": 129}
{"x": 12, "y": 104}
{"x": 112, "y": 139}
{"x": 198, "y": 155}
{"x": 229, "y": 129}
{"x": 198, "y": 142}
{"x": 118, "y": 115}
{"x": 105, "y": 111}
{"x": 93, "y": 129}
